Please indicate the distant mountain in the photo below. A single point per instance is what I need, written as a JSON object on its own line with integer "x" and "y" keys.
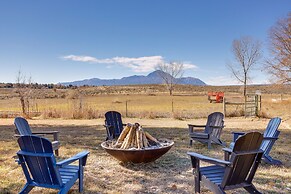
{"x": 152, "y": 78}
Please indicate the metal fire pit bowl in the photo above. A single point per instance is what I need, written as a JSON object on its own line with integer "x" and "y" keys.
{"x": 137, "y": 156}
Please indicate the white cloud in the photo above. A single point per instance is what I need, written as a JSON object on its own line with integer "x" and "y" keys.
{"x": 188, "y": 65}
{"x": 139, "y": 64}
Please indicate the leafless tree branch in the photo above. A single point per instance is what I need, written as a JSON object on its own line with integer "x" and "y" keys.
{"x": 170, "y": 72}
{"x": 279, "y": 63}
{"x": 247, "y": 53}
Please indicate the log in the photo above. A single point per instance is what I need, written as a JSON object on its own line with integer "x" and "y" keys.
{"x": 141, "y": 139}
{"x": 151, "y": 137}
{"x": 128, "y": 138}
{"x": 133, "y": 139}
{"x": 145, "y": 141}
{"x": 123, "y": 133}
{"x": 133, "y": 136}
{"x": 138, "y": 138}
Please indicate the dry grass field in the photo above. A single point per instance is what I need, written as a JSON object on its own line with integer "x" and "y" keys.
{"x": 78, "y": 115}
{"x": 169, "y": 174}
{"x": 137, "y": 101}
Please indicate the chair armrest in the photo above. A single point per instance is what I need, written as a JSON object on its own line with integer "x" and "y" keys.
{"x": 190, "y": 125}
{"x": 54, "y": 133}
{"x": 208, "y": 159}
{"x": 45, "y": 155}
{"x": 227, "y": 150}
{"x": 213, "y": 126}
{"x": 45, "y": 132}
{"x": 270, "y": 138}
{"x": 108, "y": 126}
{"x": 82, "y": 157}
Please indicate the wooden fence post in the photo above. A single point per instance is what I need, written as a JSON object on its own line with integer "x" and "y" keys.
{"x": 126, "y": 109}
{"x": 245, "y": 106}
{"x": 172, "y": 106}
{"x": 224, "y": 106}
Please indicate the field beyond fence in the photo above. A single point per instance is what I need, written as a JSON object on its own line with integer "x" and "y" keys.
{"x": 139, "y": 106}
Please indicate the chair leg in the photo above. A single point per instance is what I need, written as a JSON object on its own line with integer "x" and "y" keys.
{"x": 252, "y": 189}
{"x": 226, "y": 156}
{"x": 197, "y": 183}
{"x": 26, "y": 189}
{"x": 81, "y": 175}
{"x": 57, "y": 152}
{"x": 219, "y": 191}
{"x": 269, "y": 160}
{"x": 191, "y": 142}
{"x": 218, "y": 141}
{"x": 209, "y": 144}
{"x": 63, "y": 191}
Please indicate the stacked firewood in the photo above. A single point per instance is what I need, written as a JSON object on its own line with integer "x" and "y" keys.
{"x": 133, "y": 136}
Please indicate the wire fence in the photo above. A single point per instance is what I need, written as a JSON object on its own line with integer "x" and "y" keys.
{"x": 129, "y": 106}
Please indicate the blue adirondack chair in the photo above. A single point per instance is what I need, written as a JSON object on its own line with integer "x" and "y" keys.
{"x": 212, "y": 130}
{"x": 238, "y": 172}
{"x": 271, "y": 134}
{"x": 113, "y": 124}
{"x": 41, "y": 169}
{"x": 23, "y": 128}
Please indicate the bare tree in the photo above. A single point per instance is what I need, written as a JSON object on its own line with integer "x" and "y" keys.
{"x": 170, "y": 72}
{"x": 24, "y": 91}
{"x": 247, "y": 53}
{"x": 279, "y": 64}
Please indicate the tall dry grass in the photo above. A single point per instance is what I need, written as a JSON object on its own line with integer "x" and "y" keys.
{"x": 141, "y": 106}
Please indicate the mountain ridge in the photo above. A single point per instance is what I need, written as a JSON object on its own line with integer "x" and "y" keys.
{"x": 152, "y": 78}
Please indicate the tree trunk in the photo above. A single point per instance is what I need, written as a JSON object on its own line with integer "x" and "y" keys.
{"x": 245, "y": 84}
{"x": 22, "y": 105}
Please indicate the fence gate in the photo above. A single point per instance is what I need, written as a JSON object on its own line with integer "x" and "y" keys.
{"x": 252, "y": 105}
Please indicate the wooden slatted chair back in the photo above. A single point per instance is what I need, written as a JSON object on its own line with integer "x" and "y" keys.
{"x": 245, "y": 158}
{"x": 38, "y": 161}
{"x": 271, "y": 131}
{"x": 214, "y": 119}
{"x": 113, "y": 118}
{"x": 22, "y": 126}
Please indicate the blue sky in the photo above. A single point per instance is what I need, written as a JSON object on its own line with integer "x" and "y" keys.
{"x": 57, "y": 41}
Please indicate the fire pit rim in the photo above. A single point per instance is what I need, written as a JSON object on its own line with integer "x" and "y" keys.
{"x": 171, "y": 143}
{"x": 141, "y": 155}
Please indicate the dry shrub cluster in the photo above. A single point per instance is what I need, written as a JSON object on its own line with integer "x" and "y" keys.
{"x": 182, "y": 115}
{"x": 179, "y": 115}
{"x": 235, "y": 113}
{"x": 85, "y": 113}
{"x": 148, "y": 114}
{"x": 51, "y": 113}
{"x": 4, "y": 115}
{"x": 263, "y": 114}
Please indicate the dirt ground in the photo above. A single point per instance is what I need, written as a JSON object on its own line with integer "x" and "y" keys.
{"x": 171, "y": 173}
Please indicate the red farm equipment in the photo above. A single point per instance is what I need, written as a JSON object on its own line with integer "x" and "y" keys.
{"x": 215, "y": 97}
